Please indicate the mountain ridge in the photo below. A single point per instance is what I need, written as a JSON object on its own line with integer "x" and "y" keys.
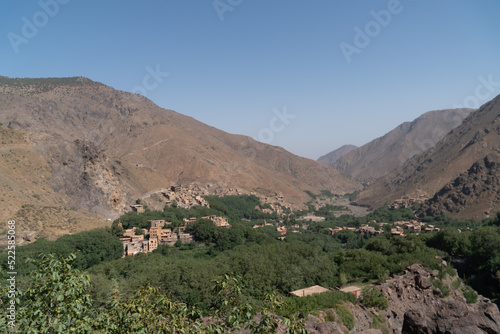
{"x": 67, "y": 118}
{"x": 476, "y": 138}
{"x": 378, "y": 157}
{"x": 333, "y": 156}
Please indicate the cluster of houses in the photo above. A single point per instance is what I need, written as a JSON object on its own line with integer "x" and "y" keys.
{"x": 276, "y": 204}
{"x": 263, "y": 224}
{"x": 158, "y": 234}
{"x": 399, "y": 228}
{"x": 408, "y": 201}
{"x": 134, "y": 243}
{"x": 312, "y": 218}
{"x": 280, "y": 228}
{"x": 218, "y": 221}
{"x": 412, "y": 225}
{"x": 363, "y": 229}
{"x": 185, "y": 196}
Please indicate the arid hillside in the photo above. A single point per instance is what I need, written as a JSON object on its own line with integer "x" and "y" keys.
{"x": 330, "y": 158}
{"x": 101, "y": 147}
{"x": 458, "y": 174}
{"x": 382, "y": 155}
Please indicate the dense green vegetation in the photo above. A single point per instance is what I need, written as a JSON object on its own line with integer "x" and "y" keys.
{"x": 91, "y": 247}
{"x": 476, "y": 254}
{"x": 181, "y": 281}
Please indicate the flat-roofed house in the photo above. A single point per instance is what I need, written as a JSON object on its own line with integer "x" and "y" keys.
{"x": 137, "y": 208}
{"x": 155, "y": 232}
{"x": 129, "y": 232}
{"x": 156, "y": 223}
{"x": 134, "y": 248}
{"x": 309, "y": 291}
{"x": 153, "y": 244}
{"x": 137, "y": 238}
{"x": 355, "y": 290}
{"x": 185, "y": 238}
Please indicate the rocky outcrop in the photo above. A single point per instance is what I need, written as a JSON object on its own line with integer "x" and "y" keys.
{"x": 474, "y": 191}
{"x": 417, "y": 307}
{"x": 82, "y": 172}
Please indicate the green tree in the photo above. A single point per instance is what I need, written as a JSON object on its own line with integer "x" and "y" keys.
{"x": 203, "y": 230}
{"x": 230, "y": 312}
{"x": 485, "y": 245}
{"x": 270, "y": 321}
{"x": 57, "y": 300}
{"x": 149, "y": 311}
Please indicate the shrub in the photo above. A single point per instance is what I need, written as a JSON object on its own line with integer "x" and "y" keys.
{"x": 441, "y": 286}
{"x": 330, "y": 316}
{"x": 469, "y": 294}
{"x": 372, "y": 297}
{"x": 321, "y": 301}
{"x": 345, "y": 316}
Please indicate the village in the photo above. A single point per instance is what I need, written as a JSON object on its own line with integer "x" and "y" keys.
{"x": 161, "y": 232}
{"x": 398, "y": 230}
{"x": 137, "y": 240}
{"x": 134, "y": 239}
{"x": 187, "y": 196}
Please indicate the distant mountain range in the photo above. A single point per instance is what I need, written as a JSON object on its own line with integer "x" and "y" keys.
{"x": 100, "y": 148}
{"x": 382, "y": 155}
{"x": 330, "y": 158}
{"x": 459, "y": 176}
{"x": 74, "y": 150}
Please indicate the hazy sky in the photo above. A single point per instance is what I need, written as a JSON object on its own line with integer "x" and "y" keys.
{"x": 309, "y": 76}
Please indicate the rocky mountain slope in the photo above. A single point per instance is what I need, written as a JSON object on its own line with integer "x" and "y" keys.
{"x": 56, "y": 189}
{"x": 459, "y": 170}
{"x": 417, "y": 306}
{"x": 474, "y": 193}
{"x": 101, "y": 147}
{"x": 380, "y": 156}
{"x": 330, "y": 158}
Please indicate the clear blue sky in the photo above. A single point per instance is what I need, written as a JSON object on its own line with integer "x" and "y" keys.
{"x": 266, "y": 55}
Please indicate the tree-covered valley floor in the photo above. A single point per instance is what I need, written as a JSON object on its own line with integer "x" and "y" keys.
{"x": 81, "y": 283}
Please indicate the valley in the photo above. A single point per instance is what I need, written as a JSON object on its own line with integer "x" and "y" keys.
{"x": 136, "y": 196}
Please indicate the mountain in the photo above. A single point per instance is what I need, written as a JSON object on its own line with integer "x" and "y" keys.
{"x": 473, "y": 193}
{"x": 330, "y": 158}
{"x": 55, "y": 189}
{"x": 458, "y": 176}
{"x": 102, "y": 147}
{"x": 380, "y": 156}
